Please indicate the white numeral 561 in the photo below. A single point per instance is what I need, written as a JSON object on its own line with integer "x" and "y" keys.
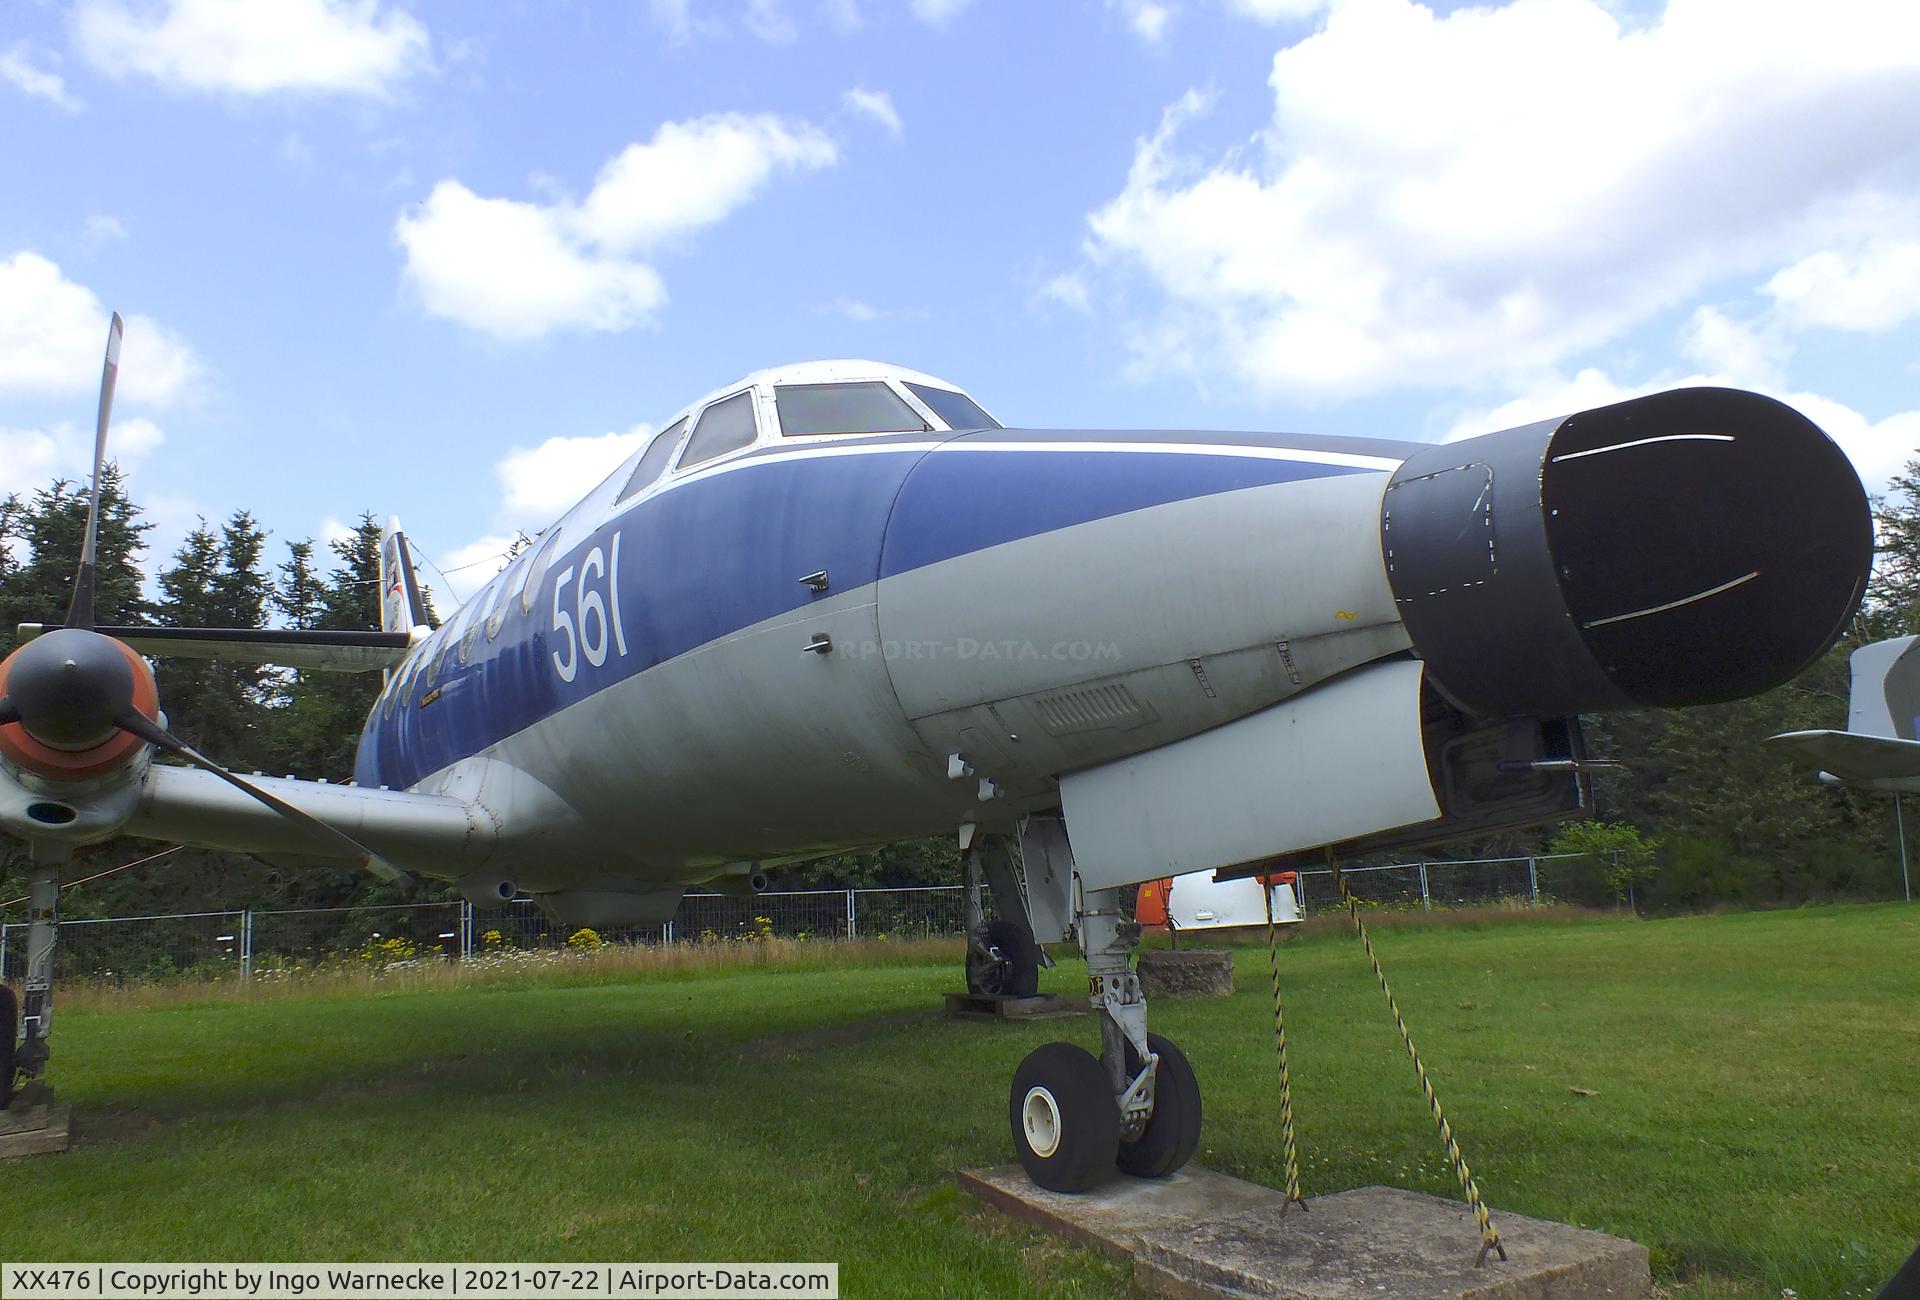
{"x": 588, "y": 624}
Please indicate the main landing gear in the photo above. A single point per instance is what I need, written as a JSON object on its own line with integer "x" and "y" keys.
{"x": 1135, "y": 1106}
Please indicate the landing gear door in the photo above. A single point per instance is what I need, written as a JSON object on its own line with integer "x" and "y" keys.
{"x": 1048, "y": 862}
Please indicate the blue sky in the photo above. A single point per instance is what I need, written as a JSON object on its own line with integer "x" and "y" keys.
{"x": 444, "y": 259}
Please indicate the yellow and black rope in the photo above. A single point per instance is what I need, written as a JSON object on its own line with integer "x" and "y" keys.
{"x": 1489, "y": 1235}
{"x": 1286, "y": 1081}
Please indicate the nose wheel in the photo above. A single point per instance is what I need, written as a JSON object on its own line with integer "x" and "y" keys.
{"x": 1066, "y": 1128}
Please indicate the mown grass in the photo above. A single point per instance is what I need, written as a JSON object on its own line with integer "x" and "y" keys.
{"x": 1755, "y": 1119}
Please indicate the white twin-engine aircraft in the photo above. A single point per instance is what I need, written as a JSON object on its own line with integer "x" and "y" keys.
{"x": 838, "y": 604}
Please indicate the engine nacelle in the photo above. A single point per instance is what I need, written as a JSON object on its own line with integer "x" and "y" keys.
{"x": 1691, "y": 547}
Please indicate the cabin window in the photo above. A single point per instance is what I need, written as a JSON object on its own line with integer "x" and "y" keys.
{"x": 810, "y": 409}
{"x": 957, "y": 409}
{"x": 470, "y": 621}
{"x": 655, "y": 460}
{"x": 725, "y": 426}
{"x": 503, "y": 597}
{"x": 537, "y": 571}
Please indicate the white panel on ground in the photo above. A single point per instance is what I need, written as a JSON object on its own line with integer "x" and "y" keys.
{"x": 1339, "y": 761}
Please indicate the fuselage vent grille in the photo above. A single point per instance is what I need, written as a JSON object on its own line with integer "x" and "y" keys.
{"x": 1091, "y": 708}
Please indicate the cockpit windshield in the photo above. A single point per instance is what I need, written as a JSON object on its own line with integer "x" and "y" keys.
{"x": 811, "y": 409}
{"x": 957, "y": 409}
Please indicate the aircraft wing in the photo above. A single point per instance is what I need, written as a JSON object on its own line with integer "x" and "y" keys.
{"x": 184, "y": 805}
{"x": 1850, "y": 756}
{"x": 340, "y": 652}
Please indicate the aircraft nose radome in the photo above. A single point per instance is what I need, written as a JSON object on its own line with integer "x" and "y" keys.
{"x": 1689, "y": 547}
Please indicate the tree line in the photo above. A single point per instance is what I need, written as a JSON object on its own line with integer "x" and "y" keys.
{"x": 1709, "y": 817}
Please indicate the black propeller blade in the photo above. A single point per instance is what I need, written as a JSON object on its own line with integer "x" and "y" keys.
{"x": 80, "y": 609}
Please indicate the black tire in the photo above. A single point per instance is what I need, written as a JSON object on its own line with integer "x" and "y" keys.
{"x": 1066, "y": 1124}
{"x": 9, "y": 1042}
{"x": 1015, "y": 973}
{"x": 1172, "y": 1133}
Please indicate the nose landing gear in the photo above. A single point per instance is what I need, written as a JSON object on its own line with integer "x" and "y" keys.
{"x": 1137, "y": 1106}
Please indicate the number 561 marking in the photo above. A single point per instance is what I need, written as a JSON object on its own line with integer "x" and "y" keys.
{"x": 589, "y": 624}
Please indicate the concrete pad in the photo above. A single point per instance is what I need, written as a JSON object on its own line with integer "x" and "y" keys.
{"x": 34, "y": 1130}
{"x": 1203, "y": 1234}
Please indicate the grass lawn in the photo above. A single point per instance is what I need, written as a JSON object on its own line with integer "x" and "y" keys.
{"x": 1756, "y": 1123}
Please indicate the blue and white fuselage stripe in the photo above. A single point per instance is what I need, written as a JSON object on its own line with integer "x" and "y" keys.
{"x": 709, "y": 553}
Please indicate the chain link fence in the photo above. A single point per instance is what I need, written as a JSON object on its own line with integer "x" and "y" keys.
{"x": 145, "y": 949}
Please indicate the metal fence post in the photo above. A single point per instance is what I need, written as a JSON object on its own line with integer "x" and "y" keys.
{"x": 1533, "y": 880}
{"x": 3, "y": 951}
{"x": 246, "y": 944}
{"x": 853, "y": 918}
{"x": 1426, "y": 899}
{"x": 466, "y": 930}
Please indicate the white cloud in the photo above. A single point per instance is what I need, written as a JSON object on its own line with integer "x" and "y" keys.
{"x": 1870, "y": 289}
{"x": 1069, "y": 289}
{"x": 53, "y": 335}
{"x": 18, "y": 69}
{"x": 938, "y": 13}
{"x": 855, "y": 310}
{"x": 334, "y": 529}
{"x": 467, "y": 568}
{"x": 1147, "y": 19}
{"x": 1750, "y": 351}
{"x": 539, "y": 484}
{"x": 875, "y": 104}
{"x": 517, "y": 270}
{"x": 30, "y": 459}
{"x": 768, "y": 20}
{"x": 1277, "y": 11}
{"x": 102, "y": 229}
{"x": 242, "y": 47}
{"x": 1455, "y": 200}
{"x": 513, "y": 270}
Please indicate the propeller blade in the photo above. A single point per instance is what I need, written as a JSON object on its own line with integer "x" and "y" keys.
{"x": 80, "y": 609}
{"x": 140, "y": 725}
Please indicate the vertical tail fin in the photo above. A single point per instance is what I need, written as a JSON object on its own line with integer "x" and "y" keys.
{"x": 401, "y": 608}
{"x": 1885, "y": 696}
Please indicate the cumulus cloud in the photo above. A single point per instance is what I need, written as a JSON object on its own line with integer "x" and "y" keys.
{"x": 518, "y": 269}
{"x": 1442, "y": 201}
{"x": 874, "y": 104}
{"x": 30, "y": 459}
{"x": 241, "y": 47}
{"x": 539, "y": 484}
{"x": 53, "y": 334}
{"x": 1871, "y": 289}
{"x": 19, "y": 68}
{"x": 1146, "y": 19}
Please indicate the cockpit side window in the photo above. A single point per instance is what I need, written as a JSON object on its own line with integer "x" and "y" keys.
{"x": 810, "y": 409}
{"x": 725, "y": 426}
{"x": 503, "y": 602}
{"x": 654, "y": 461}
{"x": 957, "y": 409}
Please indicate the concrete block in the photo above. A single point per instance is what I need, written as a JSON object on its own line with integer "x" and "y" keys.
{"x": 1204, "y": 1234}
{"x": 1186, "y": 972}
